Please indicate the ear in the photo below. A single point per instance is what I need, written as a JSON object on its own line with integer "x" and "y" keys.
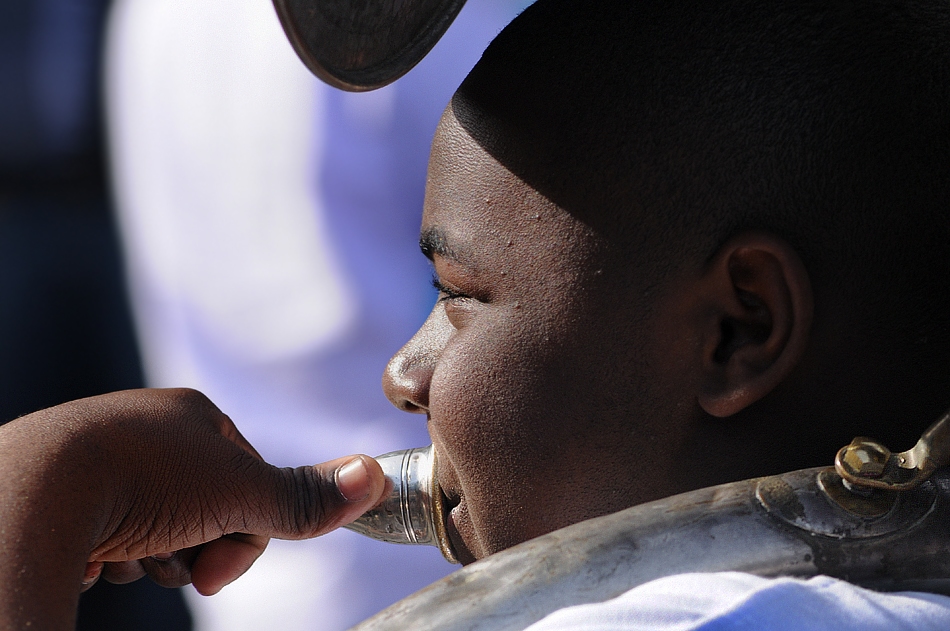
{"x": 756, "y": 321}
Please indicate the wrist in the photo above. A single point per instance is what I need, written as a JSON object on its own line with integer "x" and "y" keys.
{"x": 53, "y": 511}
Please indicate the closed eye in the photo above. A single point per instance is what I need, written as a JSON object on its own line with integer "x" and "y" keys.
{"x": 445, "y": 292}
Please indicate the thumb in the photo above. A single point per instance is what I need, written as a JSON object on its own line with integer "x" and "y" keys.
{"x": 295, "y": 504}
{"x": 311, "y": 501}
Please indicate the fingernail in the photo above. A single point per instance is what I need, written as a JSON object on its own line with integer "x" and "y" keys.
{"x": 163, "y": 556}
{"x": 353, "y": 480}
{"x": 93, "y": 570}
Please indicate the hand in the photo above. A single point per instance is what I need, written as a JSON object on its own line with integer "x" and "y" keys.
{"x": 145, "y": 473}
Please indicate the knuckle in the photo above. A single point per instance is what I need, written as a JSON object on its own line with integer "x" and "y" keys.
{"x": 122, "y": 572}
{"x": 309, "y": 499}
{"x": 171, "y": 572}
{"x": 166, "y": 575}
{"x": 191, "y": 399}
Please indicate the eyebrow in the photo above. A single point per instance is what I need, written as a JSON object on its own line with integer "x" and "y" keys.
{"x": 433, "y": 241}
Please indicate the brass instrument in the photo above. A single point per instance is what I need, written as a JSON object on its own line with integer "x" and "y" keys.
{"x": 878, "y": 519}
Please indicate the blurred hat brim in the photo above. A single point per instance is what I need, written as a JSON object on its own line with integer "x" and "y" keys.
{"x": 360, "y": 45}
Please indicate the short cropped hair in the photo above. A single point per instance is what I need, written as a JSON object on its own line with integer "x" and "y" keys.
{"x": 671, "y": 125}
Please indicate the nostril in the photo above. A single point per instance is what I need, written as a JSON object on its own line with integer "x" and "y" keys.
{"x": 412, "y": 392}
{"x": 408, "y": 406}
{"x": 406, "y": 384}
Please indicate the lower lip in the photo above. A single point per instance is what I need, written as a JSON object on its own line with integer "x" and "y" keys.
{"x": 451, "y": 519}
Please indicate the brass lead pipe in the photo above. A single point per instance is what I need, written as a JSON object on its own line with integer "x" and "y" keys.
{"x": 413, "y": 512}
{"x": 787, "y": 525}
{"x": 800, "y": 523}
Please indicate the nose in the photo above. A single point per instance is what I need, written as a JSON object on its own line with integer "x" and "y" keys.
{"x": 408, "y": 374}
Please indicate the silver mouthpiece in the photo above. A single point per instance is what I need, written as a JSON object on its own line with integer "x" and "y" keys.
{"x": 413, "y": 512}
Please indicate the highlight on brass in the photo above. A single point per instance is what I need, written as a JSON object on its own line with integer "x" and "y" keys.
{"x": 413, "y": 512}
{"x": 867, "y": 464}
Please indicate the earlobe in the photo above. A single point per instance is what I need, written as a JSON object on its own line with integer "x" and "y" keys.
{"x": 759, "y": 298}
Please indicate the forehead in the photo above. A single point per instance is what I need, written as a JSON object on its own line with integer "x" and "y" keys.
{"x": 473, "y": 201}
{"x": 462, "y": 175}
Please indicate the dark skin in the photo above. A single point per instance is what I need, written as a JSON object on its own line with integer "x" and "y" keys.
{"x": 553, "y": 391}
{"x": 156, "y": 480}
{"x": 533, "y": 325}
{"x": 562, "y": 377}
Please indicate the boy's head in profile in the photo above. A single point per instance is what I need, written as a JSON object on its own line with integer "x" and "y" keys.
{"x": 679, "y": 243}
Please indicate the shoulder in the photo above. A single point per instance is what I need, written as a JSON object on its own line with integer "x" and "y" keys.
{"x": 733, "y": 601}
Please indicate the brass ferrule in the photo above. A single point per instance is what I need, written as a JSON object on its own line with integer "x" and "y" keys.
{"x": 413, "y": 512}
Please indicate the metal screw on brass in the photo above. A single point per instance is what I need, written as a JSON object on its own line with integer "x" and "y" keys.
{"x": 866, "y": 458}
{"x": 866, "y": 463}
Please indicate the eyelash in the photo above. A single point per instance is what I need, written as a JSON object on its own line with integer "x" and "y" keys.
{"x": 446, "y": 293}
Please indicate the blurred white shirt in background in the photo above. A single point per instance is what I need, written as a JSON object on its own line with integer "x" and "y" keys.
{"x": 270, "y": 225}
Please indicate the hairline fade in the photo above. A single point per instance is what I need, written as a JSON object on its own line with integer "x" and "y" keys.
{"x": 670, "y": 125}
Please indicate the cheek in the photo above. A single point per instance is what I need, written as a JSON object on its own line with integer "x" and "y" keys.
{"x": 474, "y": 398}
{"x": 528, "y": 421}
{"x": 497, "y": 422}
{"x": 477, "y": 404}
